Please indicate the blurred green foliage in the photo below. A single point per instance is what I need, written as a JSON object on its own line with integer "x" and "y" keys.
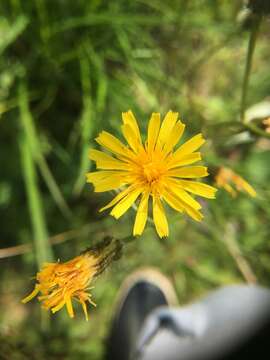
{"x": 67, "y": 70}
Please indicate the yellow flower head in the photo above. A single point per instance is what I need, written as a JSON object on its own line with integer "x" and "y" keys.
{"x": 59, "y": 283}
{"x": 266, "y": 122}
{"x": 151, "y": 169}
{"x": 225, "y": 178}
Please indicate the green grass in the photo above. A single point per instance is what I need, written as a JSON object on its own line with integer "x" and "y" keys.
{"x": 67, "y": 71}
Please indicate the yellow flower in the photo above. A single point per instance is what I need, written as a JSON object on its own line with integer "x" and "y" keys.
{"x": 59, "y": 282}
{"x": 151, "y": 169}
{"x": 225, "y": 178}
{"x": 266, "y": 122}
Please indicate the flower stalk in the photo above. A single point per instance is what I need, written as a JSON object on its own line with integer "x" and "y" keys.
{"x": 251, "y": 47}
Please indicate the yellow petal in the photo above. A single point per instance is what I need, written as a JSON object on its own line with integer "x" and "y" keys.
{"x": 230, "y": 190}
{"x": 107, "y": 180}
{"x": 105, "y": 161}
{"x": 113, "y": 144}
{"x": 242, "y": 184}
{"x": 173, "y": 201}
{"x": 183, "y": 195}
{"x": 96, "y": 176}
{"x": 130, "y": 137}
{"x": 141, "y": 216}
{"x": 109, "y": 184}
{"x": 69, "y": 307}
{"x": 51, "y": 300}
{"x": 189, "y": 172}
{"x": 84, "y": 309}
{"x": 92, "y": 302}
{"x": 125, "y": 203}
{"x": 189, "y": 146}
{"x": 129, "y": 118}
{"x": 166, "y": 128}
{"x": 179, "y": 205}
{"x": 175, "y": 188}
{"x": 153, "y": 131}
{"x": 58, "y": 307}
{"x": 32, "y": 295}
{"x": 174, "y": 137}
{"x": 249, "y": 189}
{"x": 184, "y": 160}
{"x": 198, "y": 188}
{"x": 117, "y": 198}
{"x": 159, "y": 217}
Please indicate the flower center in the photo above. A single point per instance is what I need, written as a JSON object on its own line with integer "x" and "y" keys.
{"x": 151, "y": 172}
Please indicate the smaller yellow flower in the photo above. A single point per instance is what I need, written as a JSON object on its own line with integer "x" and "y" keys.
{"x": 225, "y": 178}
{"x": 59, "y": 283}
{"x": 266, "y": 122}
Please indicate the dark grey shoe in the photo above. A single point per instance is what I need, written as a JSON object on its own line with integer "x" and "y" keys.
{"x": 142, "y": 292}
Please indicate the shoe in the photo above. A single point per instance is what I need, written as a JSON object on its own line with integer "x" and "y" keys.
{"x": 142, "y": 292}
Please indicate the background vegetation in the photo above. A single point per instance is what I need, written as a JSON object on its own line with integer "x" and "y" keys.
{"x": 67, "y": 70}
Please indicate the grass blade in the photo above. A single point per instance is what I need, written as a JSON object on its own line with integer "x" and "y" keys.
{"x": 42, "y": 245}
{"x": 10, "y": 32}
{"x": 86, "y": 123}
{"x": 32, "y": 138}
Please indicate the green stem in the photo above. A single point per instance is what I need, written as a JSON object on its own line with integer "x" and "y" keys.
{"x": 86, "y": 122}
{"x": 42, "y": 246}
{"x": 249, "y": 58}
{"x": 226, "y": 232}
{"x": 241, "y": 127}
{"x": 256, "y": 130}
{"x": 44, "y": 20}
{"x": 34, "y": 143}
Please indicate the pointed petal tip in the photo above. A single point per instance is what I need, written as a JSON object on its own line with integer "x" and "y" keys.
{"x": 25, "y": 300}
{"x": 176, "y": 113}
{"x": 124, "y": 113}
{"x": 31, "y": 295}
{"x": 202, "y": 138}
{"x": 200, "y": 218}
{"x": 89, "y": 181}
{"x": 114, "y": 215}
{"x": 163, "y": 236}
{"x": 98, "y": 136}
